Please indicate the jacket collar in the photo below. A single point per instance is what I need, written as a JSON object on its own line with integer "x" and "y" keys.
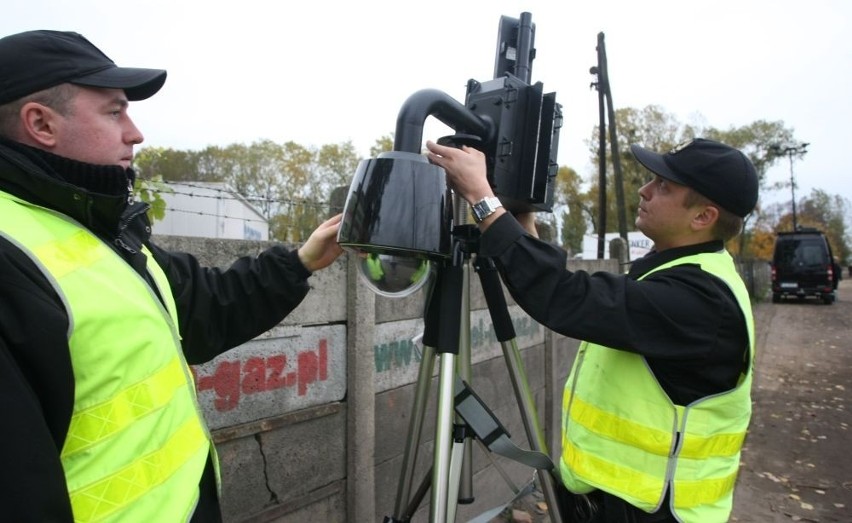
{"x": 94, "y": 195}
{"x": 654, "y": 259}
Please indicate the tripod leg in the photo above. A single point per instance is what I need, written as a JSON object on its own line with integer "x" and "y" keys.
{"x": 535, "y": 435}
{"x": 415, "y": 427}
{"x": 457, "y": 467}
{"x": 443, "y": 440}
{"x": 465, "y": 371}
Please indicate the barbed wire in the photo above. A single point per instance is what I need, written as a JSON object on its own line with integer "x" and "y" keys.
{"x": 202, "y": 213}
{"x": 233, "y": 195}
{"x": 229, "y": 194}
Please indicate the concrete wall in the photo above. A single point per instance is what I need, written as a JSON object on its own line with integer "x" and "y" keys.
{"x": 310, "y": 419}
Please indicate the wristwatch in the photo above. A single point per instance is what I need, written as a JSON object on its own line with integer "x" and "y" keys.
{"x": 485, "y": 208}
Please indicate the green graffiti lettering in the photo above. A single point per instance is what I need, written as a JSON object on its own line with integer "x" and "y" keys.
{"x": 402, "y": 353}
{"x": 397, "y": 353}
{"x": 382, "y": 357}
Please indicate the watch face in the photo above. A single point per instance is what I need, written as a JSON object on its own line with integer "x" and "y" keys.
{"x": 479, "y": 211}
{"x": 485, "y": 207}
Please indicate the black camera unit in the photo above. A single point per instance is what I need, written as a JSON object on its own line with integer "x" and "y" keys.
{"x": 521, "y": 152}
{"x": 398, "y": 203}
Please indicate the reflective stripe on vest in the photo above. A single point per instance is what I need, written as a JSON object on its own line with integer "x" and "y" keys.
{"x": 137, "y": 443}
{"x": 622, "y": 434}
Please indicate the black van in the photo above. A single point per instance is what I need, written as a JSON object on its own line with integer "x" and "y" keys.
{"x": 803, "y": 265}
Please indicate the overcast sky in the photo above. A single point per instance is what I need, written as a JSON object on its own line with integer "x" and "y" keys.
{"x": 317, "y": 72}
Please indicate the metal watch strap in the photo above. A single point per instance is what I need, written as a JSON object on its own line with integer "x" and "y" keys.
{"x": 485, "y": 208}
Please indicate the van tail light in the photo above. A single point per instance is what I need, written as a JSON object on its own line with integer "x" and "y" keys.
{"x": 773, "y": 273}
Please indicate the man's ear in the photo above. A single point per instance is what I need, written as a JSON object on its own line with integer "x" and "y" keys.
{"x": 38, "y": 125}
{"x": 705, "y": 219}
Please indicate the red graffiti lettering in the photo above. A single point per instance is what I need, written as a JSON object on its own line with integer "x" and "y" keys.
{"x": 254, "y": 375}
{"x": 308, "y": 368}
{"x": 323, "y": 359}
{"x": 275, "y": 366}
{"x": 313, "y": 366}
{"x": 225, "y": 382}
{"x": 257, "y": 374}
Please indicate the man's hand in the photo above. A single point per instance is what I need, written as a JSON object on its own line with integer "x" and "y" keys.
{"x": 466, "y": 175}
{"x": 321, "y": 249}
{"x": 465, "y": 168}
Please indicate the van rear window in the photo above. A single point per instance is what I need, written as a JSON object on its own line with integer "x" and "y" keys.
{"x": 800, "y": 252}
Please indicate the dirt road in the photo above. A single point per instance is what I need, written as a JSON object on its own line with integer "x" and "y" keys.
{"x": 797, "y": 460}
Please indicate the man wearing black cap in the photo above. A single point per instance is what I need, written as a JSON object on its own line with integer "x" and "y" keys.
{"x": 98, "y": 324}
{"x": 656, "y": 407}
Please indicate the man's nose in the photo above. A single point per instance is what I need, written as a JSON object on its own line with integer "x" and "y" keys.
{"x": 133, "y": 134}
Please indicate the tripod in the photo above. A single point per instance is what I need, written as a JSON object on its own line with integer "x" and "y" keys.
{"x": 447, "y": 332}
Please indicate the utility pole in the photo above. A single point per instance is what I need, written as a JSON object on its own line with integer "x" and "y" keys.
{"x": 605, "y": 107}
{"x": 790, "y": 151}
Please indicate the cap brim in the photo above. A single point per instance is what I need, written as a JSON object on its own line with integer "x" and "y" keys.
{"x": 138, "y": 84}
{"x": 655, "y": 163}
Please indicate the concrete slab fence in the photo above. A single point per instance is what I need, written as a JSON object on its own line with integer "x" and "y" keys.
{"x": 310, "y": 419}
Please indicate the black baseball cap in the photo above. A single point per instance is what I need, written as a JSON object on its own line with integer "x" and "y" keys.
{"x": 36, "y": 60}
{"x": 717, "y": 171}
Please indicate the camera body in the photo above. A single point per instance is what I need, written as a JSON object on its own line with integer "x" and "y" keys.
{"x": 521, "y": 153}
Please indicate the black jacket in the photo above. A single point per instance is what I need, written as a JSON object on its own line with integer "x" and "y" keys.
{"x": 217, "y": 310}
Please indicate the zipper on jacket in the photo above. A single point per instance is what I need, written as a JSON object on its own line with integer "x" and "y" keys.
{"x": 123, "y": 246}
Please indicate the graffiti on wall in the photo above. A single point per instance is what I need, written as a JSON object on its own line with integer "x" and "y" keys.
{"x": 397, "y": 355}
{"x": 233, "y": 378}
{"x": 286, "y": 369}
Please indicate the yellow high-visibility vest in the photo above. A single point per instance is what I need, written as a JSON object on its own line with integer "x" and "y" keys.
{"x": 137, "y": 443}
{"x": 622, "y": 434}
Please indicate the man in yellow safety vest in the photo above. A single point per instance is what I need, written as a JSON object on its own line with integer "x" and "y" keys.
{"x": 98, "y": 325}
{"x": 656, "y": 406}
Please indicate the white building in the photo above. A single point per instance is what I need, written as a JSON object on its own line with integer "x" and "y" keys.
{"x": 210, "y": 210}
